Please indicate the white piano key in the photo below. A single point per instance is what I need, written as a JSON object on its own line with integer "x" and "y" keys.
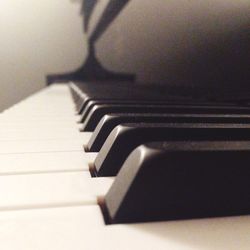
{"x": 45, "y": 162}
{"x": 82, "y": 227}
{"x": 39, "y": 129}
{"x": 82, "y": 139}
{"x": 223, "y": 233}
{"x": 34, "y": 124}
{"x": 57, "y": 228}
{"x": 51, "y": 190}
{"x": 38, "y": 119}
{"x": 12, "y": 147}
{"x": 22, "y": 116}
{"x": 44, "y": 134}
{"x": 36, "y": 113}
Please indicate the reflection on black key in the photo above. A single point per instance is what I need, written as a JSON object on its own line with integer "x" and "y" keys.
{"x": 98, "y": 111}
{"x": 92, "y": 105}
{"x": 124, "y": 138}
{"x": 82, "y": 106}
{"x": 180, "y": 180}
{"x": 120, "y": 91}
{"x": 88, "y": 105}
{"x": 109, "y": 121}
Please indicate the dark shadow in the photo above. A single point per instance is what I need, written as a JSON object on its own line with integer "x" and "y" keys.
{"x": 86, "y": 11}
{"x": 92, "y": 70}
{"x": 220, "y": 66}
{"x": 224, "y": 63}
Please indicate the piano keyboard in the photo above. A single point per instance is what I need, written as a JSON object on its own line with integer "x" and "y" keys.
{"x": 49, "y": 200}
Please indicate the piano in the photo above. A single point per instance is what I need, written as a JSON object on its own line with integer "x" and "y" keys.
{"x": 96, "y": 160}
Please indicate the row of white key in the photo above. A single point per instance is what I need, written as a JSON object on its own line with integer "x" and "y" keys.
{"x": 43, "y": 165}
{"x": 48, "y": 198}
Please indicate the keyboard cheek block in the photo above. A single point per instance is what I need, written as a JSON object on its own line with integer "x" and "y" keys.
{"x": 169, "y": 181}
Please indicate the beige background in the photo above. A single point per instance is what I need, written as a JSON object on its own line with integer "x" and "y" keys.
{"x": 155, "y": 39}
{"x": 37, "y": 37}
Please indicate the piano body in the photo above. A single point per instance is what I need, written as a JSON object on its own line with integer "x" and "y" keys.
{"x": 81, "y": 157}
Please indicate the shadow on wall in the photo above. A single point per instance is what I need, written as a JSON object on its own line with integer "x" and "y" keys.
{"x": 185, "y": 43}
{"x": 92, "y": 69}
{"x": 182, "y": 44}
{"x": 222, "y": 62}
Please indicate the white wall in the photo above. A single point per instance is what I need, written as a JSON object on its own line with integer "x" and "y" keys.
{"x": 37, "y": 38}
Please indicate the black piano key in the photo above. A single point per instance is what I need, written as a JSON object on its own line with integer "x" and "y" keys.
{"x": 109, "y": 121}
{"x": 98, "y": 111}
{"x": 118, "y": 90}
{"x": 79, "y": 104}
{"x": 181, "y": 180}
{"x": 124, "y": 90}
{"x": 94, "y": 103}
{"x": 93, "y": 90}
{"x": 76, "y": 98}
{"x": 91, "y": 104}
{"x": 125, "y": 137}
{"x": 139, "y": 92}
{"x": 83, "y": 104}
{"x": 85, "y": 109}
{"x": 74, "y": 95}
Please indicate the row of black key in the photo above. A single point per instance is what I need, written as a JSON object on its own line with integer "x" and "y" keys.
{"x": 195, "y": 141}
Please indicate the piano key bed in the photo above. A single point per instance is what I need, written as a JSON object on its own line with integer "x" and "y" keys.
{"x": 58, "y": 191}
